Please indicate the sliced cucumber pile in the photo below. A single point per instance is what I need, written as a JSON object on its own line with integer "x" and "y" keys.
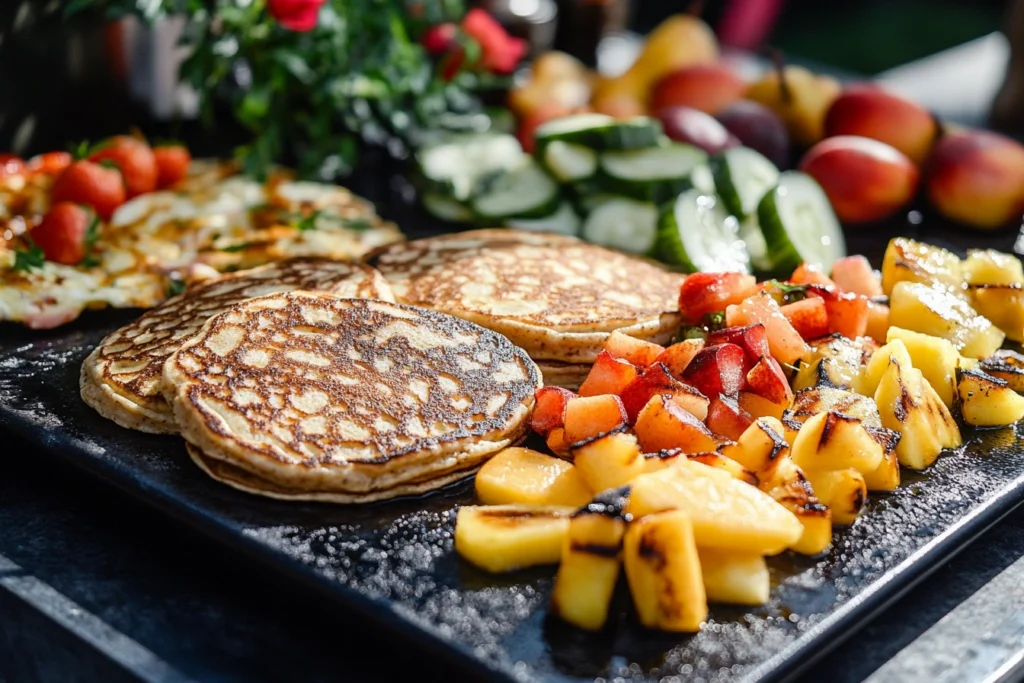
{"x": 623, "y": 184}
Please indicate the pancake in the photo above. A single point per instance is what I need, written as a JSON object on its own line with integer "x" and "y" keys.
{"x": 121, "y": 377}
{"x": 315, "y": 394}
{"x": 566, "y": 375}
{"x": 557, "y": 297}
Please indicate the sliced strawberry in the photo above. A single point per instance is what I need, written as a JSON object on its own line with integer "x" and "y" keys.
{"x": 133, "y": 158}
{"x": 64, "y": 233}
{"x": 84, "y": 182}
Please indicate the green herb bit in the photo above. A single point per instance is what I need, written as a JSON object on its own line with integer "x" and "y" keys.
{"x": 236, "y": 247}
{"x": 28, "y": 259}
{"x": 714, "y": 321}
{"x": 176, "y": 287}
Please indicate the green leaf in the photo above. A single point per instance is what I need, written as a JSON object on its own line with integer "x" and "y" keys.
{"x": 295, "y": 65}
{"x": 308, "y": 222}
{"x": 176, "y": 287}
{"x": 242, "y": 246}
{"x": 29, "y": 259}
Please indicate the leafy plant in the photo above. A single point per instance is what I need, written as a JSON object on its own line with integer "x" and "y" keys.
{"x": 309, "y": 97}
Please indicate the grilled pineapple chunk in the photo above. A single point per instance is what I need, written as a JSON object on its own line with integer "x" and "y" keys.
{"x": 907, "y": 260}
{"x": 760, "y": 447}
{"x": 521, "y": 475}
{"x": 871, "y": 374}
{"x": 843, "y": 491}
{"x": 733, "y": 578}
{"x": 727, "y": 513}
{"x": 1005, "y": 364}
{"x": 885, "y": 477}
{"x": 609, "y": 461}
{"x": 503, "y": 538}
{"x": 791, "y": 489}
{"x": 591, "y": 557}
{"x": 987, "y": 401}
{"x": 934, "y": 357}
{"x": 908, "y": 404}
{"x": 834, "y": 441}
{"x": 833, "y": 361}
{"x": 810, "y": 402}
{"x": 991, "y": 267}
{"x": 1003, "y": 305}
{"x": 725, "y": 464}
{"x": 940, "y": 312}
{"x": 664, "y": 572}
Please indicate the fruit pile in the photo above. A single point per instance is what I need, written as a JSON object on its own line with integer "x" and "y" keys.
{"x": 77, "y": 191}
{"x": 871, "y": 150}
{"x": 765, "y": 425}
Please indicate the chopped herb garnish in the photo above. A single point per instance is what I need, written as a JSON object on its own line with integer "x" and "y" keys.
{"x": 714, "y": 321}
{"x": 308, "y": 222}
{"x": 786, "y": 292}
{"x": 27, "y": 259}
{"x": 690, "y": 332}
{"x": 236, "y": 247}
{"x": 92, "y": 235}
{"x": 176, "y": 287}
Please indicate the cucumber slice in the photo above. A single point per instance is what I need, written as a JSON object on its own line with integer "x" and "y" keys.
{"x": 697, "y": 233}
{"x": 569, "y": 162}
{"x": 598, "y": 132}
{"x": 564, "y": 221}
{"x": 702, "y": 180}
{"x": 526, "y": 191}
{"x": 623, "y": 224}
{"x": 588, "y": 201}
{"x": 461, "y": 164}
{"x": 750, "y": 233}
{"x": 799, "y": 225}
{"x": 655, "y": 174}
{"x": 742, "y": 176}
{"x": 447, "y": 209}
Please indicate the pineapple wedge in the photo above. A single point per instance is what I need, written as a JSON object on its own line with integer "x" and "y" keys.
{"x": 1005, "y": 364}
{"x": 991, "y": 267}
{"x": 834, "y": 361}
{"x": 1003, "y": 305}
{"x": 733, "y": 578}
{"x": 834, "y": 441}
{"x": 608, "y": 461}
{"x": 940, "y": 312}
{"x": 871, "y": 374}
{"x": 727, "y": 513}
{"x": 811, "y": 402}
{"x": 655, "y": 462}
{"x": 760, "y": 447}
{"x": 503, "y": 538}
{"x": 907, "y": 260}
{"x": 908, "y": 405}
{"x": 987, "y": 401}
{"x": 885, "y": 477}
{"x": 591, "y": 557}
{"x": 790, "y": 488}
{"x": 934, "y": 357}
{"x": 843, "y": 491}
{"x": 664, "y": 572}
{"x": 521, "y": 475}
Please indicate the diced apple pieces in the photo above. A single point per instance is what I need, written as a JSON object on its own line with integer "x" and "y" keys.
{"x": 758, "y": 406}
{"x": 591, "y": 416}
{"x": 940, "y": 312}
{"x": 727, "y": 514}
{"x": 521, "y": 475}
{"x": 636, "y": 351}
{"x": 785, "y": 343}
{"x": 608, "y": 375}
{"x": 843, "y": 491}
{"x": 767, "y": 379}
{"x": 760, "y": 447}
{"x": 808, "y": 317}
{"x": 753, "y": 339}
{"x": 664, "y": 572}
{"x": 549, "y": 409}
{"x": 726, "y": 418}
{"x": 503, "y": 538}
{"x": 717, "y": 370}
{"x": 591, "y": 557}
{"x": 987, "y": 401}
{"x": 908, "y": 405}
{"x": 678, "y": 356}
{"x": 734, "y": 578}
{"x": 654, "y": 379}
{"x": 703, "y": 293}
{"x": 833, "y": 441}
{"x": 663, "y": 424}
{"x": 934, "y": 357}
{"x": 608, "y": 461}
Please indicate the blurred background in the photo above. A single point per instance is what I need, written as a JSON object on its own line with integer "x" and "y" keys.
{"x": 63, "y": 80}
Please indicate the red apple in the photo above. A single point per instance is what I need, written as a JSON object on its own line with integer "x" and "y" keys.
{"x": 608, "y": 375}
{"x": 703, "y": 293}
{"x": 696, "y": 128}
{"x": 679, "y": 355}
{"x": 637, "y": 351}
{"x": 871, "y": 112}
{"x": 591, "y": 416}
{"x": 726, "y": 417}
{"x": 654, "y": 379}
{"x": 706, "y": 87}
{"x": 717, "y": 370}
{"x": 758, "y": 127}
{"x": 753, "y": 339}
{"x": 767, "y": 380}
{"x": 549, "y": 409}
{"x": 865, "y": 180}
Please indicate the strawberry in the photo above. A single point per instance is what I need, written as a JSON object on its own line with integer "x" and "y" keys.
{"x": 50, "y": 163}
{"x": 133, "y": 158}
{"x": 172, "y": 162}
{"x": 66, "y": 233}
{"x": 84, "y": 182}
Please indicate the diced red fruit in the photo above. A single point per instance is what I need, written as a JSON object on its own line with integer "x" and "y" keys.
{"x": 172, "y": 162}
{"x": 679, "y": 355}
{"x": 664, "y": 425}
{"x": 847, "y": 313}
{"x": 692, "y": 401}
{"x": 854, "y": 274}
{"x": 717, "y": 370}
{"x": 655, "y": 379}
{"x": 549, "y": 409}
{"x": 878, "y": 322}
{"x": 758, "y": 406}
{"x": 703, "y": 293}
{"x": 11, "y": 165}
{"x": 637, "y": 351}
{"x": 84, "y": 182}
{"x": 807, "y": 274}
{"x": 557, "y": 443}
{"x": 784, "y": 341}
{"x": 590, "y": 416}
{"x": 727, "y": 418}
{"x": 808, "y": 317}
{"x": 766, "y": 379}
{"x": 50, "y": 163}
{"x": 440, "y": 38}
{"x": 134, "y": 159}
{"x": 62, "y": 233}
{"x": 608, "y": 375}
{"x": 751, "y": 338}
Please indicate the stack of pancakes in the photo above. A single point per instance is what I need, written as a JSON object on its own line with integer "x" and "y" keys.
{"x": 556, "y": 297}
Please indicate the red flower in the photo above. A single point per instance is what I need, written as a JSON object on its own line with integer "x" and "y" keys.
{"x": 295, "y": 15}
{"x": 440, "y": 38}
{"x": 499, "y": 52}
